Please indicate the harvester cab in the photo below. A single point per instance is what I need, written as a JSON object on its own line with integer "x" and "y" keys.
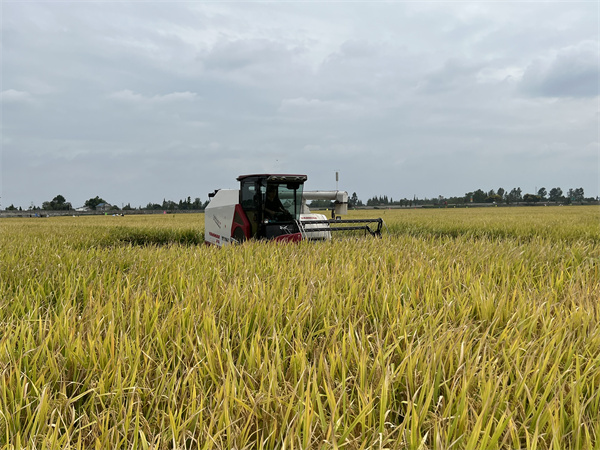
{"x": 274, "y": 206}
{"x": 271, "y": 204}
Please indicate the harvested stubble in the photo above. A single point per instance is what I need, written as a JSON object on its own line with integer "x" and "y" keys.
{"x": 460, "y": 329}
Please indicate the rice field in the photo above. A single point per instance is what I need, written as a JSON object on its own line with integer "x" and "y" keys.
{"x": 460, "y": 329}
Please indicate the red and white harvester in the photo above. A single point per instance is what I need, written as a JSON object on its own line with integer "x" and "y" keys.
{"x": 274, "y": 206}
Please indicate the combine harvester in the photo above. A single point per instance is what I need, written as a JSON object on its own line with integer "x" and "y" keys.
{"x": 273, "y": 206}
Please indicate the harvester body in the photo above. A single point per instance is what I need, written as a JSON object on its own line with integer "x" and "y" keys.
{"x": 274, "y": 207}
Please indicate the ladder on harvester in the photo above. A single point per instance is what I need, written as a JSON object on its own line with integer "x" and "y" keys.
{"x": 300, "y": 226}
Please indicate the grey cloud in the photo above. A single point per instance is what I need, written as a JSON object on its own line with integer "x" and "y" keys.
{"x": 129, "y": 96}
{"x": 13, "y": 96}
{"x": 237, "y": 55}
{"x": 356, "y": 50}
{"x": 313, "y": 108}
{"x": 572, "y": 72}
{"x": 455, "y": 74}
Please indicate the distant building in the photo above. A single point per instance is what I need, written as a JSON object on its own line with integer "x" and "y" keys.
{"x": 103, "y": 207}
{"x": 83, "y": 209}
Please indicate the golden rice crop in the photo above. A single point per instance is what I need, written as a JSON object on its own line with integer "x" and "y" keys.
{"x": 463, "y": 329}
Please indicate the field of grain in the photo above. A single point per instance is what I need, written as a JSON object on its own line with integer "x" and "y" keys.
{"x": 460, "y": 329}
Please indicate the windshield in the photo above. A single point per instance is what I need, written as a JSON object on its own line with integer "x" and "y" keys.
{"x": 290, "y": 196}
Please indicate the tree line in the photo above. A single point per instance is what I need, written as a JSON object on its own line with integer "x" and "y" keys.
{"x": 59, "y": 203}
{"x": 515, "y": 195}
{"x": 500, "y": 196}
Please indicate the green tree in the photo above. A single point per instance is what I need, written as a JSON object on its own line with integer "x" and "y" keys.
{"x": 479, "y": 196}
{"x": 197, "y": 203}
{"x": 58, "y": 203}
{"x": 575, "y": 195}
{"x": 476, "y": 197}
{"x": 93, "y": 202}
{"x": 531, "y": 198}
{"x": 542, "y": 193}
{"x": 494, "y": 198}
{"x": 555, "y": 194}
{"x": 354, "y": 201}
{"x": 514, "y": 196}
{"x": 378, "y": 201}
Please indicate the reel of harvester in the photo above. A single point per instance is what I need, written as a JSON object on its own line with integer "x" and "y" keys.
{"x": 311, "y": 227}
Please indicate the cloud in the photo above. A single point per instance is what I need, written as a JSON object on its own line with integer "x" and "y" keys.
{"x": 304, "y": 107}
{"x": 14, "y": 96}
{"x": 228, "y": 56}
{"x": 455, "y": 74}
{"x": 570, "y": 72}
{"x": 129, "y": 96}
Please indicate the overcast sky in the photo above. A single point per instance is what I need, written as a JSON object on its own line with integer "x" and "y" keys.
{"x": 141, "y": 101}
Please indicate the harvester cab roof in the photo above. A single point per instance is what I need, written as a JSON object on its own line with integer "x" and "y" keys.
{"x": 273, "y": 206}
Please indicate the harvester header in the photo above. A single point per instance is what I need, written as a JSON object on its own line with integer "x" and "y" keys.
{"x": 274, "y": 206}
